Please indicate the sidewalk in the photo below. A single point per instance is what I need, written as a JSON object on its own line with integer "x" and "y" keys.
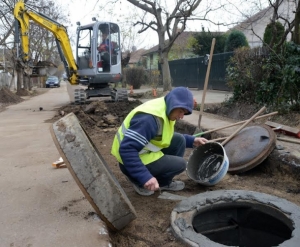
{"x": 40, "y": 205}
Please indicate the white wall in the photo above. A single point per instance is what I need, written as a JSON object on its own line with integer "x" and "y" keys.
{"x": 257, "y": 28}
{"x": 5, "y": 79}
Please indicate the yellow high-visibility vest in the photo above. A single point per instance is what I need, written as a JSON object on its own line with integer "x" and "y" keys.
{"x": 151, "y": 152}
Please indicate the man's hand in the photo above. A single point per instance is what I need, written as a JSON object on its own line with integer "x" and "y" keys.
{"x": 199, "y": 141}
{"x": 151, "y": 184}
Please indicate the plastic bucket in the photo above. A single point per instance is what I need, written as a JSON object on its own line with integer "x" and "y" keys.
{"x": 208, "y": 164}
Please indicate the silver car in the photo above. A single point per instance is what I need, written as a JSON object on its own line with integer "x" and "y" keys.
{"x": 52, "y": 81}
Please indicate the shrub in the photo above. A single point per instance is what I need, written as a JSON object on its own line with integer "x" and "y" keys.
{"x": 201, "y": 42}
{"x": 244, "y": 72}
{"x": 135, "y": 76}
{"x": 263, "y": 77}
{"x": 274, "y": 33}
{"x": 152, "y": 77}
{"x": 235, "y": 40}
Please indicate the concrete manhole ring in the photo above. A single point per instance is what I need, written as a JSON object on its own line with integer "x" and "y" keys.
{"x": 236, "y": 218}
{"x": 91, "y": 173}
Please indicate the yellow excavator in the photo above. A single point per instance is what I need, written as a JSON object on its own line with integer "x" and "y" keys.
{"x": 97, "y": 63}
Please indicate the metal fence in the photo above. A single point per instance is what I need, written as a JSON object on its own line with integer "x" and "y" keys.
{"x": 191, "y": 72}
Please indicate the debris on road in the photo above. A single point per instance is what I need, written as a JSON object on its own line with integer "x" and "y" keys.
{"x": 284, "y": 129}
{"x": 59, "y": 163}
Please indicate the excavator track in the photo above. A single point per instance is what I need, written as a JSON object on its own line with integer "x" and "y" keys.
{"x": 79, "y": 96}
{"x": 119, "y": 94}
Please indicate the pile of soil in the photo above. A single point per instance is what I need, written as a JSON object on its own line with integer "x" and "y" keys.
{"x": 23, "y": 92}
{"x": 6, "y": 96}
{"x": 148, "y": 94}
{"x": 152, "y": 227}
{"x": 99, "y": 114}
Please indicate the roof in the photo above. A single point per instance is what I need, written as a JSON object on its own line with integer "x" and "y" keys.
{"x": 136, "y": 55}
{"x": 246, "y": 23}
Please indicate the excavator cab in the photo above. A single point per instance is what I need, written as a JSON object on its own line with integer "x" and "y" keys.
{"x": 98, "y": 57}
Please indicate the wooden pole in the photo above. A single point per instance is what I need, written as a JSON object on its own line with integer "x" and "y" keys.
{"x": 218, "y": 139}
{"x": 246, "y": 123}
{"x": 234, "y": 124}
{"x": 206, "y": 80}
{"x": 288, "y": 140}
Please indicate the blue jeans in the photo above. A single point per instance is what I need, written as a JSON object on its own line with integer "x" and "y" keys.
{"x": 169, "y": 165}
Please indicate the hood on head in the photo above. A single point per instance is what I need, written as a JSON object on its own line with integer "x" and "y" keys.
{"x": 179, "y": 97}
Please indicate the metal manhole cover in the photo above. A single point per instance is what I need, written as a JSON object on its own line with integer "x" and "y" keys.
{"x": 250, "y": 147}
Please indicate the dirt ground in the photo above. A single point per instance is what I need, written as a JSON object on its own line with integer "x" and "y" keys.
{"x": 101, "y": 119}
{"x": 152, "y": 226}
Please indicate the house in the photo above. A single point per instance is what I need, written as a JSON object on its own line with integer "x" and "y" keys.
{"x": 136, "y": 57}
{"x": 179, "y": 50}
{"x": 254, "y": 27}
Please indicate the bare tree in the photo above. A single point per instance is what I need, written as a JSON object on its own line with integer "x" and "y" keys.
{"x": 42, "y": 43}
{"x": 290, "y": 24}
{"x": 168, "y": 25}
{"x": 289, "y": 19}
{"x": 296, "y": 34}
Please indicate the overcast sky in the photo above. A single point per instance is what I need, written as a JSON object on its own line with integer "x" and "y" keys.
{"x": 84, "y": 10}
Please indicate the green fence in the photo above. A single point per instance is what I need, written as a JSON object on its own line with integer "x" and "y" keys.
{"x": 191, "y": 72}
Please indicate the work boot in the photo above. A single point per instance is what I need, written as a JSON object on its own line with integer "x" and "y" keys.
{"x": 174, "y": 186}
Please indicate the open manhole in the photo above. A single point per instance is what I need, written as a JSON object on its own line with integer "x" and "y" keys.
{"x": 236, "y": 218}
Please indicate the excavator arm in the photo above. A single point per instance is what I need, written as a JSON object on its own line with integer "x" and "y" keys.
{"x": 24, "y": 14}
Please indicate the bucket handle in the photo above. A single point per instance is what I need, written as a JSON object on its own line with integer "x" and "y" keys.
{"x": 240, "y": 128}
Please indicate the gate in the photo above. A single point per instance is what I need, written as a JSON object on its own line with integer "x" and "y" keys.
{"x": 191, "y": 72}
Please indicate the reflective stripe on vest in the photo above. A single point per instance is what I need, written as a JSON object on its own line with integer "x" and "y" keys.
{"x": 148, "y": 148}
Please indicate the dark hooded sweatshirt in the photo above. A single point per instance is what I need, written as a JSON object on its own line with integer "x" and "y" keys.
{"x": 145, "y": 126}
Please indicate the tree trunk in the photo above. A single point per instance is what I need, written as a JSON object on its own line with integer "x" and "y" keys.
{"x": 166, "y": 76}
{"x": 39, "y": 84}
{"x": 26, "y": 82}
{"x": 296, "y": 36}
{"x": 12, "y": 85}
{"x": 19, "y": 79}
{"x": 30, "y": 83}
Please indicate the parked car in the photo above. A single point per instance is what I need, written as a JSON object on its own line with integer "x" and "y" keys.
{"x": 52, "y": 81}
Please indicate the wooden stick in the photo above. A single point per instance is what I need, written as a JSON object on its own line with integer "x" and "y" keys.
{"x": 206, "y": 80}
{"x": 231, "y": 125}
{"x": 218, "y": 139}
{"x": 288, "y": 140}
{"x": 246, "y": 123}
